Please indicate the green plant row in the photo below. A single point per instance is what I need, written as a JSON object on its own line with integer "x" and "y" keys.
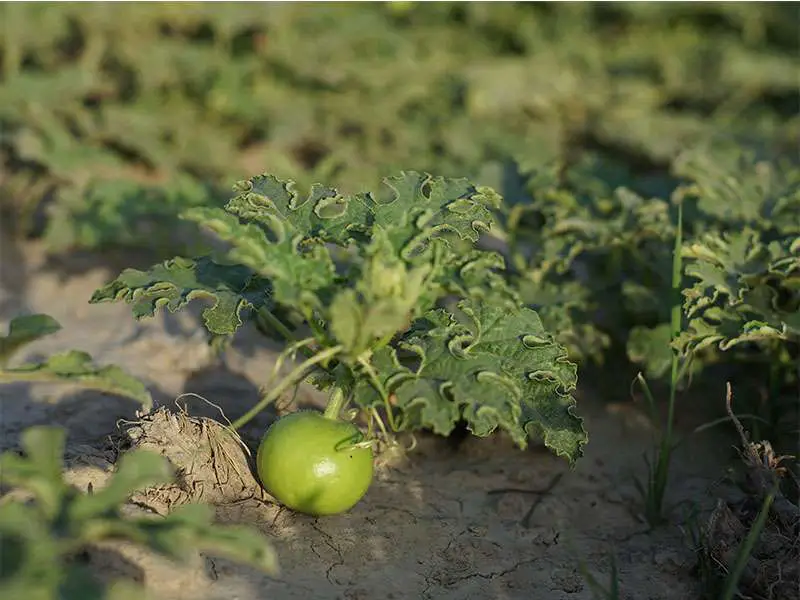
{"x": 114, "y": 121}
{"x": 594, "y": 259}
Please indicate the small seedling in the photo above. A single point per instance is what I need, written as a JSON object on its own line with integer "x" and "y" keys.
{"x": 599, "y": 591}
{"x": 654, "y": 490}
{"x": 72, "y": 366}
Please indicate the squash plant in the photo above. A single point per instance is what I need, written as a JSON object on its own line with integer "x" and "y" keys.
{"x": 396, "y": 311}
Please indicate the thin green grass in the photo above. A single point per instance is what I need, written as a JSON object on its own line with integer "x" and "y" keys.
{"x": 653, "y": 491}
{"x": 715, "y": 586}
{"x": 731, "y": 585}
{"x": 599, "y": 591}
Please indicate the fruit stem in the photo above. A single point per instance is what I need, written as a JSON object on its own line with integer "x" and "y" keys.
{"x": 335, "y": 405}
{"x": 291, "y": 379}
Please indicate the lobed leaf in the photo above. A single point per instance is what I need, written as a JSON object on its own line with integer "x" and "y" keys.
{"x": 413, "y": 207}
{"x": 296, "y": 276}
{"x": 361, "y": 270}
{"x": 737, "y": 189}
{"x": 745, "y": 290}
{"x": 494, "y": 367}
{"x": 176, "y": 282}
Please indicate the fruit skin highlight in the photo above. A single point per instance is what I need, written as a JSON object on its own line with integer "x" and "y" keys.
{"x": 307, "y": 462}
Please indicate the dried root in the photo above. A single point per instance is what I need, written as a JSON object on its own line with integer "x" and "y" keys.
{"x": 772, "y": 569}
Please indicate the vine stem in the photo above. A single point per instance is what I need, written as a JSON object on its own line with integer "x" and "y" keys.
{"x": 335, "y": 405}
{"x": 281, "y": 328}
{"x": 292, "y": 378}
{"x": 381, "y": 390}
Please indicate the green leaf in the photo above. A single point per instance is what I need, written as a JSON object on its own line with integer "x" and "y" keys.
{"x": 39, "y": 540}
{"x": 413, "y": 207}
{"x": 745, "y": 290}
{"x": 281, "y": 234}
{"x": 361, "y": 269}
{"x": 564, "y": 309}
{"x": 388, "y": 295}
{"x": 121, "y": 212}
{"x": 39, "y": 471}
{"x": 296, "y": 274}
{"x": 190, "y": 528}
{"x": 577, "y": 245}
{"x": 494, "y": 367}
{"x": 651, "y": 347}
{"x": 75, "y": 366}
{"x": 136, "y": 470}
{"x": 176, "y": 282}
{"x": 738, "y": 190}
{"x": 29, "y": 555}
{"x": 24, "y": 330}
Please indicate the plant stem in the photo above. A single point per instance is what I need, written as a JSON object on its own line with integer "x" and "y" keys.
{"x": 335, "y": 405}
{"x": 658, "y": 473}
{"x": 282, "y": 329}
{"x": 291, "y": 379}
{"x": 664, "y": 458}
{"x": 376, "y": 382}
{"x": 675, "y": 318}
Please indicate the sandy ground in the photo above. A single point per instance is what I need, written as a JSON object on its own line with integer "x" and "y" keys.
{"x": 484, "y": 520}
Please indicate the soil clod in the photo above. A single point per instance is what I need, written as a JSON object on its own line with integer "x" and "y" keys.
{"x": 212, "y": 463}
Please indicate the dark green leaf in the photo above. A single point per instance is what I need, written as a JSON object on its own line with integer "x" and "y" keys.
{"x": 29, "y": 554}
{"x": 496, "y": 367}
{"x": 177, "y": 282}
{"x": 136, "y": 470}
{"x": 39, "y": 471}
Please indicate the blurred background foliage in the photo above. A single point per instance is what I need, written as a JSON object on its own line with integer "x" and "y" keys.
{"x": 116, "y": 116}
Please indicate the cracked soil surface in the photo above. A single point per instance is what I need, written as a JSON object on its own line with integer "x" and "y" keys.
{"x": 481, "y": 520}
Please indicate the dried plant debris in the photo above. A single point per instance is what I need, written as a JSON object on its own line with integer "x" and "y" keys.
{"x": 212, "y": 463}
{"x": 772, "y": 569}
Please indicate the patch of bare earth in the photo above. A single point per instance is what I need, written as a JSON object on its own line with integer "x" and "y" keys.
{"x": 485, "y": 520}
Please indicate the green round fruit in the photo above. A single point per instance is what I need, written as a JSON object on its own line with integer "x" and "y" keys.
{"x": 307, "y": 462}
